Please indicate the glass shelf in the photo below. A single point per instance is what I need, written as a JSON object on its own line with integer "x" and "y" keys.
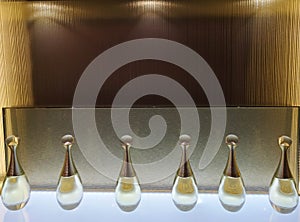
{"x": 153, "y": 207}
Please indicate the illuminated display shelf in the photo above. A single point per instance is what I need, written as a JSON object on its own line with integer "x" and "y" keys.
{"x": 153, "y": 207}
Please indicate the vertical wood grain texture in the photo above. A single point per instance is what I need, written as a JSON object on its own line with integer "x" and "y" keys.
{"x": 15, "y": 63}
{"x": 273, "y": 76}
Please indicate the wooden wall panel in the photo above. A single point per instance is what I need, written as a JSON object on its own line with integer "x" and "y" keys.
{"x": 15, "y": 63}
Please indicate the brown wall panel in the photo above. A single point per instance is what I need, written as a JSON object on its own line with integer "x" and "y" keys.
{"x": 252, "y": 46}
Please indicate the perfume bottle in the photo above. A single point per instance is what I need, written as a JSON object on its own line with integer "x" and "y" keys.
{"x": 128, "y": 191}
{"x": 69, "y": 190}
{"x": 283, "y": 195}
{"x": 16, "y": 189}
{"x": 184, "y": 191}
{"x": 231, "y": 191}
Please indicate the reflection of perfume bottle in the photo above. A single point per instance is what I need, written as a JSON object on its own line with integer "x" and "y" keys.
{"x": 231, "y": 189}
{"x": 69, "y": 190}
{"x": 283, "y": 195}
{"x": 16, "y": 189}
{"x": 128, "y": 191}
{"x": 184, "y": 191}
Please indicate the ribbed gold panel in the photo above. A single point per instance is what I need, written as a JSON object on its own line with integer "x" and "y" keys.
{"x": 273, "y": 73}
{"x": 15, "y": 62}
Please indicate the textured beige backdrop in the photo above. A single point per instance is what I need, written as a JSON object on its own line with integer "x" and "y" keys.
{"x": 41, "y": 152}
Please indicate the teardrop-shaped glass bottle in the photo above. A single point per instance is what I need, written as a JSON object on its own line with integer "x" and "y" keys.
{"x": 283, "y": 194}
{"x": 128, "y": 191}
{"x": 16, "y": 189}
{"x": 69, "y": 190}
{"x": 232, "y": 194}
{"x": 184, "y": 191}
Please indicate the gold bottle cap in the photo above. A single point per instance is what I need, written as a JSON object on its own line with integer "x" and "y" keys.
{"x": 231, "y": 140}
{"x": 12, "y": 141}
{"x": 67, "y": 140}
{"x": 284, "y": 141}
{"x": 184, "y": 139}
{"x": 126, "y": 140}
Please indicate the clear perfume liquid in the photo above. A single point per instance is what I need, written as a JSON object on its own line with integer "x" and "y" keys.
{"x": 185, "y": 193}
{"x": 128, "y": 193}
{"x": 69, "y": 192}
{"x": 283, "y": 195}
{"x": 232, "y": 194}
{"x": 15, "y": 192}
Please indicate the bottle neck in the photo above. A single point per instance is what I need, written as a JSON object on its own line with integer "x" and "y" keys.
{"x": 69, "y": 168}
{"x": 232, "y": 168}
{"x": 185, "y": 169}
{"x": 283, "y": 170}
{"x": 127, "y": 169}
{"x": 14, "y": 168}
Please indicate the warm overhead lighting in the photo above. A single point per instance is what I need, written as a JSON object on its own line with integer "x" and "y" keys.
{"x": 150, "y": 4}
{"x": 45, "y": 9}
{"x": 54, "y": 10}
{"x": 153, "y": 7}
{"x": 262, "y": 2}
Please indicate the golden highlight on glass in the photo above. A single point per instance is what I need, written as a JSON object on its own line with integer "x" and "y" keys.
{"x": 184, "y": 191}
{"x": 69, "y": 190}
{"x": 128, "y": 191}
{"x": 283, "y": 194}
{"x": 231, "y": 191}
{"x": 16, "y": 189}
